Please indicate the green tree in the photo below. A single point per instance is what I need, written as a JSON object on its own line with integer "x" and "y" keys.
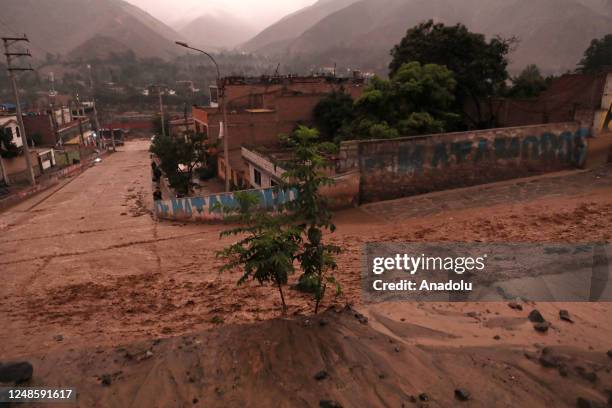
{"x": 480, "y": 67}
{"x": 180, "y": 156}
{"x": 272, "y": 242}
{"x": 528, "y": 84}
{"x": 269, "y": 245}
{"x": 418, "y": 99}
{"x": 598, "y": 56}
{"x": 305, "y": 175}
{"x": 333, "y": 113}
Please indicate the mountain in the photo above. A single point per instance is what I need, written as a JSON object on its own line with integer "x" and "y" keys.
{"x": 276, "y": 37}
{"x": 219, "y": 30}
{"x": 553, "y": 33}
{"x": 81, "y": 28}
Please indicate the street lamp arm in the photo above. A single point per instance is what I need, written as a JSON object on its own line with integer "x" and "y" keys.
{"x": 185, "y": 45}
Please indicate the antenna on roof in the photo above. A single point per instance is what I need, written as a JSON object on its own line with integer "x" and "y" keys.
{"x": 277, "y": 68}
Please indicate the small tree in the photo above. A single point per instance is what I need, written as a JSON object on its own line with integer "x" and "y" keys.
{"x": 269, "y": 248}
{"x": 180, "y": 156}
{"x": 273, "y": 242}
{"x": 305, "y": 174}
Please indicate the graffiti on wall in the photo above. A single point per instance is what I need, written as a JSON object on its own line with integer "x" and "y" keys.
{"x": 412, "y": 157}
{"x": 210, "y": 207}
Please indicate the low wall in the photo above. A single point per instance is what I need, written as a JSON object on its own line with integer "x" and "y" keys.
{"x": 207, "y": 208}
{"x": 414, "y": 165}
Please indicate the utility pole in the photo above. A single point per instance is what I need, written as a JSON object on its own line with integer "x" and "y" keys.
{"x": 112, "y": 131}
{"x": 8, "y": 41}
{"x": 161, "y": 110}
{"x": 93, "y": 99}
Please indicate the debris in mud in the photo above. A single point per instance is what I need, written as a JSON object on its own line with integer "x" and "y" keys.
{"x": 515, "y": 306}
{"x": 321, "y": 375}
{"x": 423, "y": 397}
{"x": 564, "y": 315}
{"x": 58, "y": 338}
{"x": 548, "y": 359}
{"x": 535, "y": 316}
{"x": 361, "y": 318}
{"x": 462, "y": 394}
{"x": 497, "y": 337}
{"x": 106, "y": 380}
{"x": 610, "y": 353}
{"x": 329, "y": 404}
{"x": 542, "y": 327}
{"x": 590, "y": 376}
{"x": 587, "y": 403}
{"x": 17, "y": 373}
{"x": 322, "y": 322}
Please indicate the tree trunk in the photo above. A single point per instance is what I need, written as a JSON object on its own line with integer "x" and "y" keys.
{"x": 280, "y": 289}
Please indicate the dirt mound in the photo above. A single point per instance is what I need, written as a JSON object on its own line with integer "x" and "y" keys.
{"x": 337, "y": 356}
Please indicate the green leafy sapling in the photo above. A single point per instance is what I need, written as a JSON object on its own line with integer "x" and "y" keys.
{"x": 267, "y": 247}
{"x": 305, "y": 174}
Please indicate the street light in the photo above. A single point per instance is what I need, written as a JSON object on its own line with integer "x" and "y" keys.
{"x": 228, "y": 170}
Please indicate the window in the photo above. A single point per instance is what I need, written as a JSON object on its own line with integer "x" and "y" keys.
{"x": 18, "y": 131}
{"x": 257, "y": 177}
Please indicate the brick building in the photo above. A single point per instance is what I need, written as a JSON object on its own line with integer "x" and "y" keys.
{"x": 259, "y": 109}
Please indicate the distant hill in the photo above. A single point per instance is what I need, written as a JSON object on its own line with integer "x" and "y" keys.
{"x": 77, "y": 27}
{"x": 220, "y": 30}
{"x": 276, "y": 37}
{"x": 553, "y": 33}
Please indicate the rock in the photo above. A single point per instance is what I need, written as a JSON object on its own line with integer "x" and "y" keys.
{"x": 423, "y": 397}
{"x": 106, "y": 380}
{"x": 542, "y": 327}
{"x": 396, "y": 349}
{"x": 586, "y": 403}
{"x": 590, "y": 376}
{"x": 17, "y": 373}
{"x": 462, "y": 394}
{"x": 329, "y": 404}
{"x": 321, "y": 375}
{"x": 515, "y": 306}
{"x": 195, "y": 400}
{"x": 548, "y": 361}
{"x": 564, "y": 315}
{"x": 322, "y": 322}
{"x": 58, "y": 337}
{"x": 535, "y": 316}
{"x": 361, "y": 318}
{"x": 497, "y": 337}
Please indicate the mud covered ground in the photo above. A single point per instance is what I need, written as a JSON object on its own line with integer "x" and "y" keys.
{"x": 91, "y": 283}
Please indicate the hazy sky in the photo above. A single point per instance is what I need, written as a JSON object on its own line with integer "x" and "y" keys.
{"x": 259, "y": 13}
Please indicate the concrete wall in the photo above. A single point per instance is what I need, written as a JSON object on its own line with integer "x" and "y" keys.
{"x": 205, "y": 208}
{"x": 414, "y": 165}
